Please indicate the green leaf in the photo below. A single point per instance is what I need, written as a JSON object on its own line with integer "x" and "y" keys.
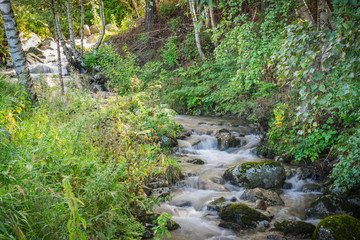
{"x": 322, "y": 88}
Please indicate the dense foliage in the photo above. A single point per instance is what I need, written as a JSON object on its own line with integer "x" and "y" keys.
{"x": 76, "y": 170}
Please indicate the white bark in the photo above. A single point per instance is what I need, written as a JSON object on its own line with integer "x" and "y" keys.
{"x": 71, "y": 34}
{"x": 197, "y": 36}
{"x": 16, "y": 51}
{"x": 82, "y": 28}
{"x": 102, "y": 17}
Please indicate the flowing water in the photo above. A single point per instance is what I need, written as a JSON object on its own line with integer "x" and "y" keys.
{"x": 204, "y": 183}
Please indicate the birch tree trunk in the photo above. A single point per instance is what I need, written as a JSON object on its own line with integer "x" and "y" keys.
{"x": 58, "y": 53}
{"x": 102, "y": 17}
{"x": 136, "y": 8}
{"x": 212, "y": 20}
{"x": 197, "y": 36}
{"x": 16, "y": 51}
{"x": 82, "y": 28}
{"x": 71, "y": 34}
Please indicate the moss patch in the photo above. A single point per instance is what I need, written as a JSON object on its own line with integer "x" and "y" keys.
{"x": 296, "y": 228}
{"x": 243, "y": 215}
{"x": 339, "y": 227}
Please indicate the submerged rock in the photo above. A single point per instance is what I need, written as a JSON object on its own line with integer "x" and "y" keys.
{"x": 340, "y": 227}
{"x": 328, "y": 205}
{"x": 296, "y": 228}
{"x": 217, "y": 204}
{"x": 225, "y": 139}
{"x": 242, "y": 215}
{"x": 267, "y": 174}
{"x": 272, "y": 198}
{"x": 196, "y": 161}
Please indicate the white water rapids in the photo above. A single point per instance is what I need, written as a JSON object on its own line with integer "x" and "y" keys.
{"x": 204, "y": 183}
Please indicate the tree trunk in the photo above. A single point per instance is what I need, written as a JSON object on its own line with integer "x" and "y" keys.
{"x": 323, "y": 15}
{"x": 212, "y": 20}
{"x": 197, "y": 36}
{"x": 98, "y": 43}
{"x": 71, "y": 34}
{"x": 58, "y": 52}
{"x": 150, "y": 13}
{"x": 16, "y": 51}
{"x": 136, "y": 8}
{"x": 82, "y": 28}
{"x": 63, "y": 44}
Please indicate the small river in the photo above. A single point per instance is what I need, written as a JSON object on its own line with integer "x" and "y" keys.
{"x": 204, "y": 183}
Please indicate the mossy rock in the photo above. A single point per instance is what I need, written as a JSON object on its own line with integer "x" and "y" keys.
{"x": 296, "y": 228}
{"x": 266, "y": 174}
{"x": 328, "y": 205}
{"x": 272, "y": 198}
{"x": 339, "y": 227}
{"x": 217, "y": 204}
{"x": 242, "y": 215}
{"x": 226, "y": 139}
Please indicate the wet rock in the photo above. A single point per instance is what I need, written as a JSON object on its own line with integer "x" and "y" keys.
{"x": 340, "y": 227}
{"x": 110, "y": 27}
{"x": 276, "y": 237}
{"x": 304, "y": 173}
{"x": 266, "y": 174}
{"x": 196, "y": 161}
{"x": 295, "y": 228}
{"x": 262, "y": 225}
{"x": 33, "y": 40}
{"x": 328, "y": 205}
{"x": 92, "y": 39}
{"x": 35, "y": 51}
{"x": 271, "y": 197}
{"x": 225, "y": 139}
{"x": 33, "y": 59}
{"x": 217, "y": 204}
{"x": 184, "y": 135}
{"x": 148, "y": 234}
{"x": 46, "y": 44}
{"x": 160, "y": 192}
{"x": 184, "y": 204}
{"x": 94, "y": 29}
{"x": 181, "y": 184}
{"x": 193, "y": 140}
{"x": 311, "y": 187}
{"x": 168, "y": 142}
{"x": 41, "y": 69}
{"x": 287, "y": 185}
{"x": 260, "y": 204}
{"x": 229, "y": 225}
{"x": 243, "y": 215}
{"x": 87, "y": 31}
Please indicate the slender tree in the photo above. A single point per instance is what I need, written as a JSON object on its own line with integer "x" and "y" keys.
{"x": 82, "y": 28}
{"x": 53, "y": 7}
{"x": 136, "y": 8}
{"x": 102, "y": 18}
{"x": 16, "y": 51}
{"x": 196, "y": 30}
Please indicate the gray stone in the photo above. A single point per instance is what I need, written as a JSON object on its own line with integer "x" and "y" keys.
{"x": 92, "y": 39}
{"x": 94, "y": 29}
{"x": 168, "y": 142}
{"x": 311, "y": 187}
{"x": 33, "y": 40}
{"x": 35, "y": 51}
{"x": 160, "y": 192}
{"x": 225, "y": 139}
{"x": 270, "y": 197}
{"x": 110, "y": 27}
{"x": 87, "y": 31}
{"x": 266, "y": 174}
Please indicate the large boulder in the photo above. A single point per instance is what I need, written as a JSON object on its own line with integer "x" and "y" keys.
{"x": 266, "y": 174}
{"x": 35, "y": 51}
{"x": 339, "y": 227}
{"x": 32, "y": 40}
{"x": 225, "y": 139}
{"x": 270, "y": 197}
{"x": 92, "y": 39}
{"x": 328, "y": 205}
{"x": 94, "y": 29}
{"x": 299, "y": 229}
{"x": 110, "y": 27}
{"x": 87, "y": 31}
{"x": 217, "y": 204}
{"x": 242, "y": 215}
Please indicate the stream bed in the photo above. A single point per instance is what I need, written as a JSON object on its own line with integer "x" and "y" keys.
{"x": 204, "y": 182}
